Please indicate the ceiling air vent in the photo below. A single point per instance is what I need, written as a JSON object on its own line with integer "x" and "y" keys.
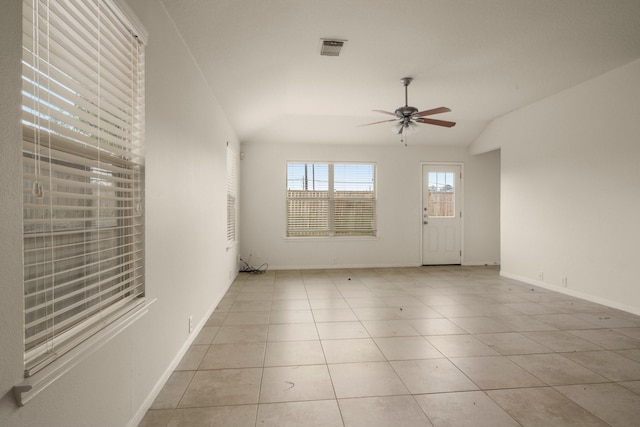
{"x": 331, "y": 47}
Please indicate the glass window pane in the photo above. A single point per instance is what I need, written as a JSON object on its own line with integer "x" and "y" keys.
{"x": 441, "y": 201}
{"x": 308, "y": 177}
{"x": 353, "y": 178}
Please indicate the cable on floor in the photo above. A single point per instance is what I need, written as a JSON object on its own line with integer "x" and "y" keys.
{"x": 246, "y": 268}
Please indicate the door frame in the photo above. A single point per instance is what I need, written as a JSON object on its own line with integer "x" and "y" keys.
{"x": 421, "y": 225}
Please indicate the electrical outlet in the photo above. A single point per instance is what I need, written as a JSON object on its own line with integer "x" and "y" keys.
{"x": 540, "y": 275}
{"x": 190, "y": 324}
{"x": 565, "y": 282}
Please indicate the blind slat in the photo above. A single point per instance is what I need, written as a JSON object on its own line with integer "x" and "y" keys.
{"x": 106, "y": 284}
{"x": 80, "y": 315}
{"x": 60, "y": 150}
{"x": 44, "y": 262}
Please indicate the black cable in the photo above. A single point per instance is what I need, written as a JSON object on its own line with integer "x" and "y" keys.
{"x": 246, "y": 268}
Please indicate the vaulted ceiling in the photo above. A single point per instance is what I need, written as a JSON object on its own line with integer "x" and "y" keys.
{"x": 480, "y": 58}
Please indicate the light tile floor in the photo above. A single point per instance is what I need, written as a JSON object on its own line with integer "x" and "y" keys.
{"x": 424, "y": 346}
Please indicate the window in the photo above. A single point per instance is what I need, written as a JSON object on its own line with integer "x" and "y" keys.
{"x": 331, "y": 199}
{"x": 232, "y": 197}
{"x": 83, "y": 173}
{"x": 441, "y": 202}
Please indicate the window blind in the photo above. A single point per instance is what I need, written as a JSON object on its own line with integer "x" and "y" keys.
{"x": 331, "y": 199}
{"x": 83, "y": 172}
{"x": 231, "y": 196}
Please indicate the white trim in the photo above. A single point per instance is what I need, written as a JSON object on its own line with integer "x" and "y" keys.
{"x": 355, "y": 266}
{"x": 340, "y": 266}
{"x": 573, "y": 293}
{"x": 30, "y": 387}
{"x": 157, "y": 388}
{"x": 480, "y": 263}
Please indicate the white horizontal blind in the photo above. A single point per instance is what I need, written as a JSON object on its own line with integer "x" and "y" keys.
{"x": 307, "y": 199}
{"x": 83, "y": 172}
{"x": 232, "y": 212}
{"x": 355, "y": 202}
{"x": 331, "y": 199}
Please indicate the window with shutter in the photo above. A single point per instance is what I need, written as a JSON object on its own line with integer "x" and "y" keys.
{"x": 232, "y": 197}
{"x": 331, "y": 199}
{"x": 83, "y": 173}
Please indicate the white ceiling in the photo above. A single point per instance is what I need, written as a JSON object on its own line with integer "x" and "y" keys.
{"x": 481, "y": 58}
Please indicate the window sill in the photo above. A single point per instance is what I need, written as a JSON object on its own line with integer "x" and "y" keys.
{"x": 30, "y": 387}
{"x": 328, "y": 238}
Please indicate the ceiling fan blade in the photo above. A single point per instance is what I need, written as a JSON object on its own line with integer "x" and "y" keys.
{"x": 381, "y": 121}
{"x": 435, "y": 122}
{"x": 385, "y": 112}
{"x": 432, "y": 111}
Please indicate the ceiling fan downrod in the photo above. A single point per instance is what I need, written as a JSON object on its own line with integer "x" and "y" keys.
{"x": 406, "y": 112}
{"x": 406, "y": 81}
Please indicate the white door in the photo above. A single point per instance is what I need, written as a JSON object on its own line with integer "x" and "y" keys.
{"x": 441, "y": 214}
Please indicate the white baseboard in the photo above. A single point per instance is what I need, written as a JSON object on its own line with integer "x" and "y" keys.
{"x": 481, "y": 263}
{"x": 336, "y": 266}
{"x": 343, "y": 266}
{"x": 572, "y": 292}
{"x": 146, "y": 404}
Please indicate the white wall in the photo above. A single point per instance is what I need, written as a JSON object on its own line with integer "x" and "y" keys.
{"x": 188, "y": 268}
{"x": 11, "y": 291}
{"x": 399, "y": 224}
{"x": 571, "y": 189}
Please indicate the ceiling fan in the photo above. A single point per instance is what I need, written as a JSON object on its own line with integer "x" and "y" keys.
{"x": 407, "y": 117}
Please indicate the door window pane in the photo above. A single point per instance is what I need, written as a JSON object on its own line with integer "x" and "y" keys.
{"x": 441, "y": 201}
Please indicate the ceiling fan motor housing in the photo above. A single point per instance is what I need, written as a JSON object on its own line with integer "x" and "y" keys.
{"x": 405, "y": 111}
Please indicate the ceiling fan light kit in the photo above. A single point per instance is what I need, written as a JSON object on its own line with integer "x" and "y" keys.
{"x": 407, "y": 117}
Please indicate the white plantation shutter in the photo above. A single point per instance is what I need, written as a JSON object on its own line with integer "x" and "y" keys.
{"x": 307, "y": 199}
{"x": 83, "y": 172}
{"x": 307, "y": 214}
{"x": 232, "y": 196}
{"x": 354, "y": 198}
{"x": 331, "y": 199}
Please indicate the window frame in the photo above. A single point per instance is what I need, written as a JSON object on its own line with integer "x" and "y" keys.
{"x": 332, "y": 231}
